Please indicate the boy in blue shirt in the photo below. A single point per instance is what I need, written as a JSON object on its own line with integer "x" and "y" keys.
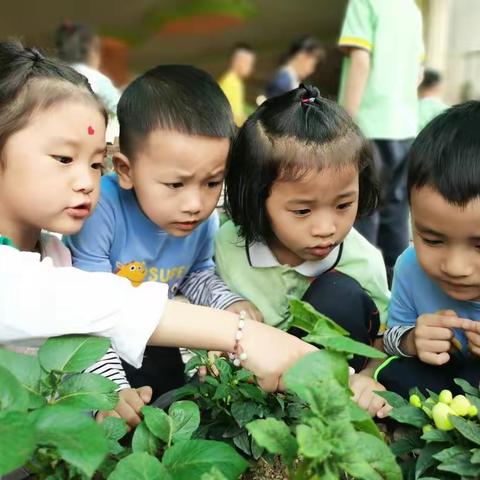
{"x": 155, "y": 220}
{"x": 436, "y": 286}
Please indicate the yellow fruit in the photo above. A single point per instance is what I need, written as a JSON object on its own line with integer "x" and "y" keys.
{"x": 427, "y": 428}
{"x": 445, "y": 397}
{"x": 460, "y": 405}
{"x": 472, "y": 411}
{"x": 415, "y": 401}
{"x": 441, "y": 413}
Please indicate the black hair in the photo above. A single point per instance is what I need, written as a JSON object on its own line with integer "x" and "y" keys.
{"x": 173, "y": 97}
{"x": 307, "y": 44}
{"x": 75, "y": 41}
{"x": 431, "y": 78}
{"x": 29, "y": 81}
{"x": 284, "y": 139}
{"x": 446, "y": 155}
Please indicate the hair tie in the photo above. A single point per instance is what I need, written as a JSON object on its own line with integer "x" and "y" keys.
{"x": 308, "y": 100}
{"x": 35, "y": 54}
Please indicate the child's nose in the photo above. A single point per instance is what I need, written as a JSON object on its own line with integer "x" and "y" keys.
{"x": 84, "y": 182}
{"x": 323, "y": 228}
{"x": 456, "y": 264}
{"x": 193, "y": 203}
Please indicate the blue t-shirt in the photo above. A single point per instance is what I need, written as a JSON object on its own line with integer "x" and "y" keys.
{"x": 118, "y": 237}
{"x": 414, "y": 293}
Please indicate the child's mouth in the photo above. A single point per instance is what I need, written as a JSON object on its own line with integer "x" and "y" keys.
{"x": 80, "y": 211}
{"x": 321, "y": 250}
{"x": 186, "y": 226}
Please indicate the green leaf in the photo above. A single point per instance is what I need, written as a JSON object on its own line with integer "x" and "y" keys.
{"x": 158, "y": 422}
{"x": 139, "y": 466}
{"x": 79, "y": 440}
{"x": 410, "y": 415}
{"x": 214, "y": 474}
{"x": 476, "y": 455}
{"x": 461, "y": 465}
{"x": 222, "y": 392}
{"x": 307, "y": 318}
{"x": 275, "y": 436}
{"x": 395, "y": 400}
{"x": 224, "y": 369}
{"x": 242, "y": 375}
{"x": 426, "y": 460}
{"x": 470, "y": 430}
{"x": 466, "y": 387}
{"x": 144, "y": 440}
{"x": 114, "y": 428}
{"x": 252, "y": 392}
{"x": 448, "y": 454}
{"x": 193, "y": 364}
{"x": 362, "y": 420}
{"x": 12, "y": 394}
{"x": 313, "y": 367}
{"x": 185, "y": 417}
{"x": 88, "y": 391}
{"x": 26, "y": 369}
{"x": 17, "y": 441}
{"x": 313, "y": 442}
{"x": 435, "y": 435}
{"x": 376, "y": 454}
{"x": 244, "y": 412}
{"x": 344, "y": 345}
{"x": 72, "y": 354}
{"x": 242, "y": 442}
{"x": 190, "y": 460}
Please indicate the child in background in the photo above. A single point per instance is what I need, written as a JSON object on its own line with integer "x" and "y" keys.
{"x": 436, "y": 287}
{"x": 299, "y": 173}
{"x": 52, "y": 144}
{"x": 155, "y": 220}
{"x": 430, "y": 103}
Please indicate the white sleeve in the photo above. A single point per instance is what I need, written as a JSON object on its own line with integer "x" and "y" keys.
{"x": 38, "y": 301}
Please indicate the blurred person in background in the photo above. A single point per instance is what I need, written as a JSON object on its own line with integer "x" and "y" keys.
{"x": 299, "y": 63}
{"x": 430, "y": 103}
{"x": 232, "y": 82}
{"x": 79, "y": 45}
{"x": 383, "y": 47}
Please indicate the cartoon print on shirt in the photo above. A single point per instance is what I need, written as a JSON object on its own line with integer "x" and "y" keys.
{"x": 134, "y": 271}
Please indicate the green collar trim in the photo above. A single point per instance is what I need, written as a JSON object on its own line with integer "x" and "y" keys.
{"x": 6, "y": 241}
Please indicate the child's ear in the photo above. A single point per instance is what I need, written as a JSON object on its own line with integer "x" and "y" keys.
{"x": 123, "y": 168}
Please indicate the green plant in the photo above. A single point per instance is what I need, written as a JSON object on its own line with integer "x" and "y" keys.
{"x": 333, "y": 438}
{"x": 45, "y": 424}
{"x": 442, "y": 440}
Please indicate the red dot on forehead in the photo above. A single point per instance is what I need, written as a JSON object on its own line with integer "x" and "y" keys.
{"x": 91, "y": 130}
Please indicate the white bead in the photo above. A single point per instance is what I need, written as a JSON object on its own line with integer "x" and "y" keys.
{"x": 241, "y": 324}
{"x": 243, "y": 356}
{"x": 239, "y": 335}
{"x": 236, "y": 362}
{"x": 243, "y": 315}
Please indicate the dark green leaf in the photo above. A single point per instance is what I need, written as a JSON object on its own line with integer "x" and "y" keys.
{"x": 242, "y": 375}
{"x": 395, "y": 400}
{"x": 469, "y": 429}
{"x": 466, "y": 387}
{"x": 244, "y": 411}
{"x": 139, "y": 466}
{"x": 114, "y": 428}
{"x": 252, "y": 392}
{"x": 275, "y": 436}
{"x": 71, "y": 354}
{"x": 27, "y": 371}
{"x": 88, "y": 391}
{"x": 410, "y": 415}
{"x": 158, "y": 422}
{"x": 313, "y": 367}
{"x": 450, "y": 453}
{"x": 345, "y": 345}
{"x": 425, "y": 459}
{"x": 476, "y": 455}
{"x": 185, "y": 417}
{"x": 436, "y": 436}
{"x": 211, "y": 381}
{"x": 242, "y": 442}
{"x": 190, "y": 460}
{"x": 405, "y": 445}
{"x": 186, "y": 391}
{"x": 79, "y": 440}
{"x": 193, "y": 364}
{"x": 221, "y": 392}
{"x": 17, "y": 441}
{"x": 144, "y": 440}
{"x": 224, "y": 369}
{"x": 461, "y": 465}
{"x": 12, "y": 394}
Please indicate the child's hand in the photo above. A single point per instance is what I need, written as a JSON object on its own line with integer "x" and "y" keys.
{"x": 270, "y": 353}
{"x": 251, "y": 310}
{"x": 363, "y": 388}
{"x": 130, "y": 402}
{"x": 431, "y": 339}
{"x": 202, "y": 371}
{"x": 473, "y": 337}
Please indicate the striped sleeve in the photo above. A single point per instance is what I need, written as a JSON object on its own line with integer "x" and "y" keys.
{"x": 110, "y": 366}
{"x": 393, "y": 338}
{"x": 205, "y": 287}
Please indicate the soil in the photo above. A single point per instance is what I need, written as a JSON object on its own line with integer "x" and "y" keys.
{"x": 262, "y": 470}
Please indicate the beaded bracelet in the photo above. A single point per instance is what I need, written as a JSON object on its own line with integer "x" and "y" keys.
{"x": 238, "y": 356}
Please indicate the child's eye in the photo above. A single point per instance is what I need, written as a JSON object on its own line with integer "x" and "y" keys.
{"x": 214, "y": 184}
{"x": 344, "y": 206}
{"x": 63, "y": 159}
{"x": 302, "y": 212}
{"x": 174, "y": 186}
{"x": 98, "y": 166}
{"x": 430, "y": 242}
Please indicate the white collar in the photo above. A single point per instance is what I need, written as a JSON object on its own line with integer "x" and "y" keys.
{"x": 260, "y": 256}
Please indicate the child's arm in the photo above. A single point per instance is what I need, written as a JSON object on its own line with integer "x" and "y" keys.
{"x": 356, "y": 80}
